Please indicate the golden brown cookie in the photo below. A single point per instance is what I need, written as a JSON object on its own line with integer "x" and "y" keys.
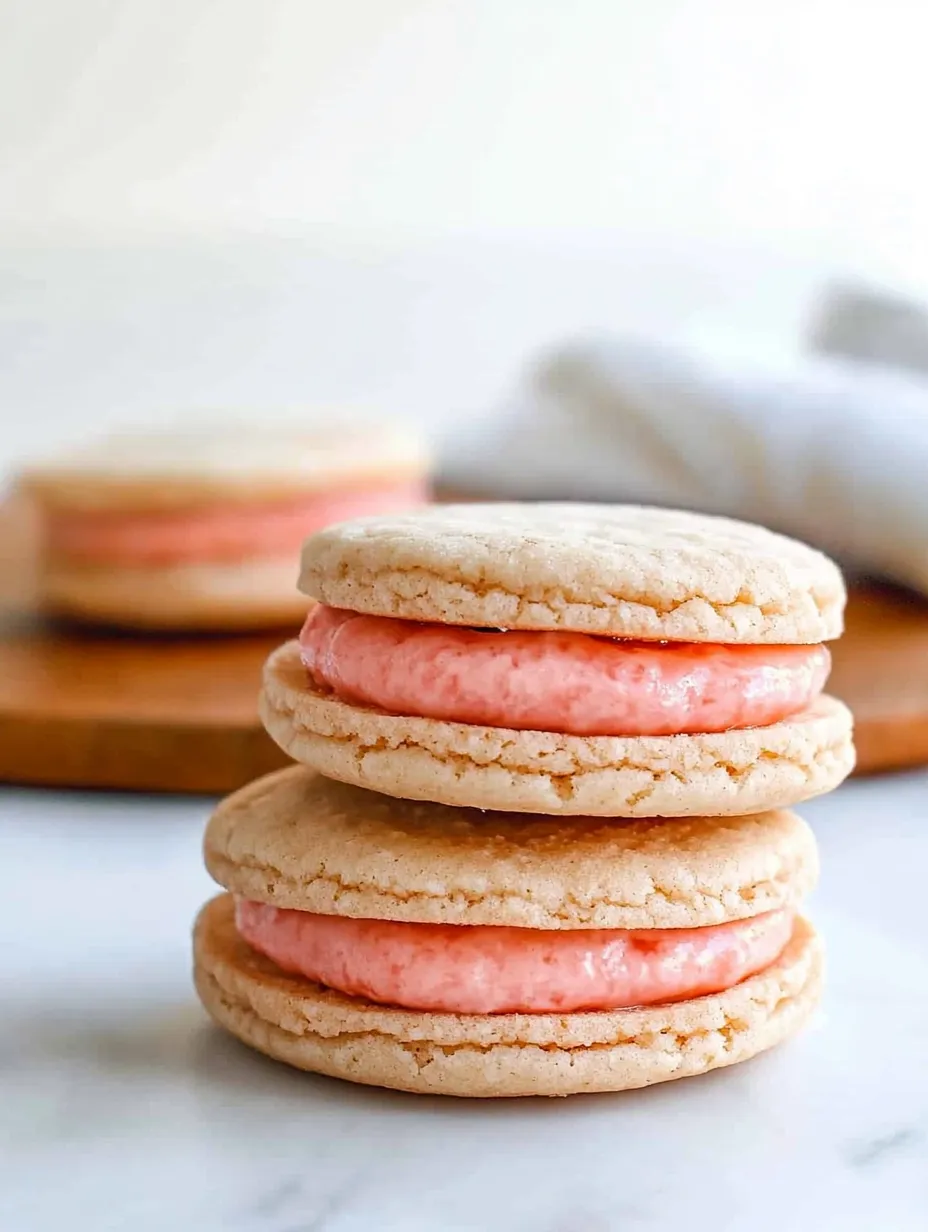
{"x": 299, "y": 840}
{"x": 620, "y": 570}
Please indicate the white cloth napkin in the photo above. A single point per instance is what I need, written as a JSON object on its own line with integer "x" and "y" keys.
{"x": 831, "y": 449}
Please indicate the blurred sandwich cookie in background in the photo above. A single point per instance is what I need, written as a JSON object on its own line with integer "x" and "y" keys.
{"x": 198, "y": 530}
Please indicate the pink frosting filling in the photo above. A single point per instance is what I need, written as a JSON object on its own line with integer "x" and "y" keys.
{"x": 215, "y": 532}
{"x": 562, "y": 682}
{"x": 487, "y": 970}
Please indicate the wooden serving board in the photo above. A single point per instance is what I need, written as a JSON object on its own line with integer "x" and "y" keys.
{"x": 83, "y": 708}
{"x": 881, "y": 670}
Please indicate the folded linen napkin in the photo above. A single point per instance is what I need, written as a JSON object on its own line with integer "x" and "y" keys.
{"x": 829, "y": 448}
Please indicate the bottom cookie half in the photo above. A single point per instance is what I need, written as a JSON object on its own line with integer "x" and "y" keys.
{"x": 720, "y": 774}
{"x": 314, "y": 1028}
{"x": 226, "y": 596}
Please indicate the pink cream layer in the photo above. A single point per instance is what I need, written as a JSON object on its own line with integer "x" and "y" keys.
{"x": 562, "y": 682}
{"x": 486, "y": 970}
{"x": 215, "y": 532}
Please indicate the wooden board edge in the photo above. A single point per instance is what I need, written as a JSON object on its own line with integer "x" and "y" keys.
{"x": 45, "y": 752}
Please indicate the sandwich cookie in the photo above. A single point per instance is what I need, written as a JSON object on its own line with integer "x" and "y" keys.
{"x": 198, "y": 530}
{"x": 441, "y": 950}
{"x": 565, "y": 659}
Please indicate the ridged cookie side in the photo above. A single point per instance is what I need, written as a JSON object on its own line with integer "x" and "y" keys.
{"x": 618, "y": 570}
{"x": 298, "y": 840}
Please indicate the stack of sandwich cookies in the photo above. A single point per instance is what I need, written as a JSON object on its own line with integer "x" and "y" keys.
{"x": 575, "y": 870}
{"x": 450, "y": 951}
{"x": 201, "y": 529}
{"x": 603, "y": 660}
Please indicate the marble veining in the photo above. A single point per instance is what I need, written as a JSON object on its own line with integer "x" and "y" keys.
{"x": 122, "y": 1108}
{"x": 876, "y": 1151}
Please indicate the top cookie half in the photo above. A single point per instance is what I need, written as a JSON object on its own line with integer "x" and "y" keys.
{"x": 618, "y": 570}
{"x": 230, "y": 462}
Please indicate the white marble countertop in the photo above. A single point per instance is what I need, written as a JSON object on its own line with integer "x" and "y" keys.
{"x": 122, "y": 1108}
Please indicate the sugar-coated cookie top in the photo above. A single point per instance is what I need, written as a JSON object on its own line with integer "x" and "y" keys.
{"x": 299, "y": 840}
{"x": 620, "y": 570}
{"x": 163, "y": 469}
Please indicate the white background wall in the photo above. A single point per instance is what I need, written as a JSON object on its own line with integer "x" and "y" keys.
{"x": 770, "y": 119}
{"x": 393, "y": 201}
